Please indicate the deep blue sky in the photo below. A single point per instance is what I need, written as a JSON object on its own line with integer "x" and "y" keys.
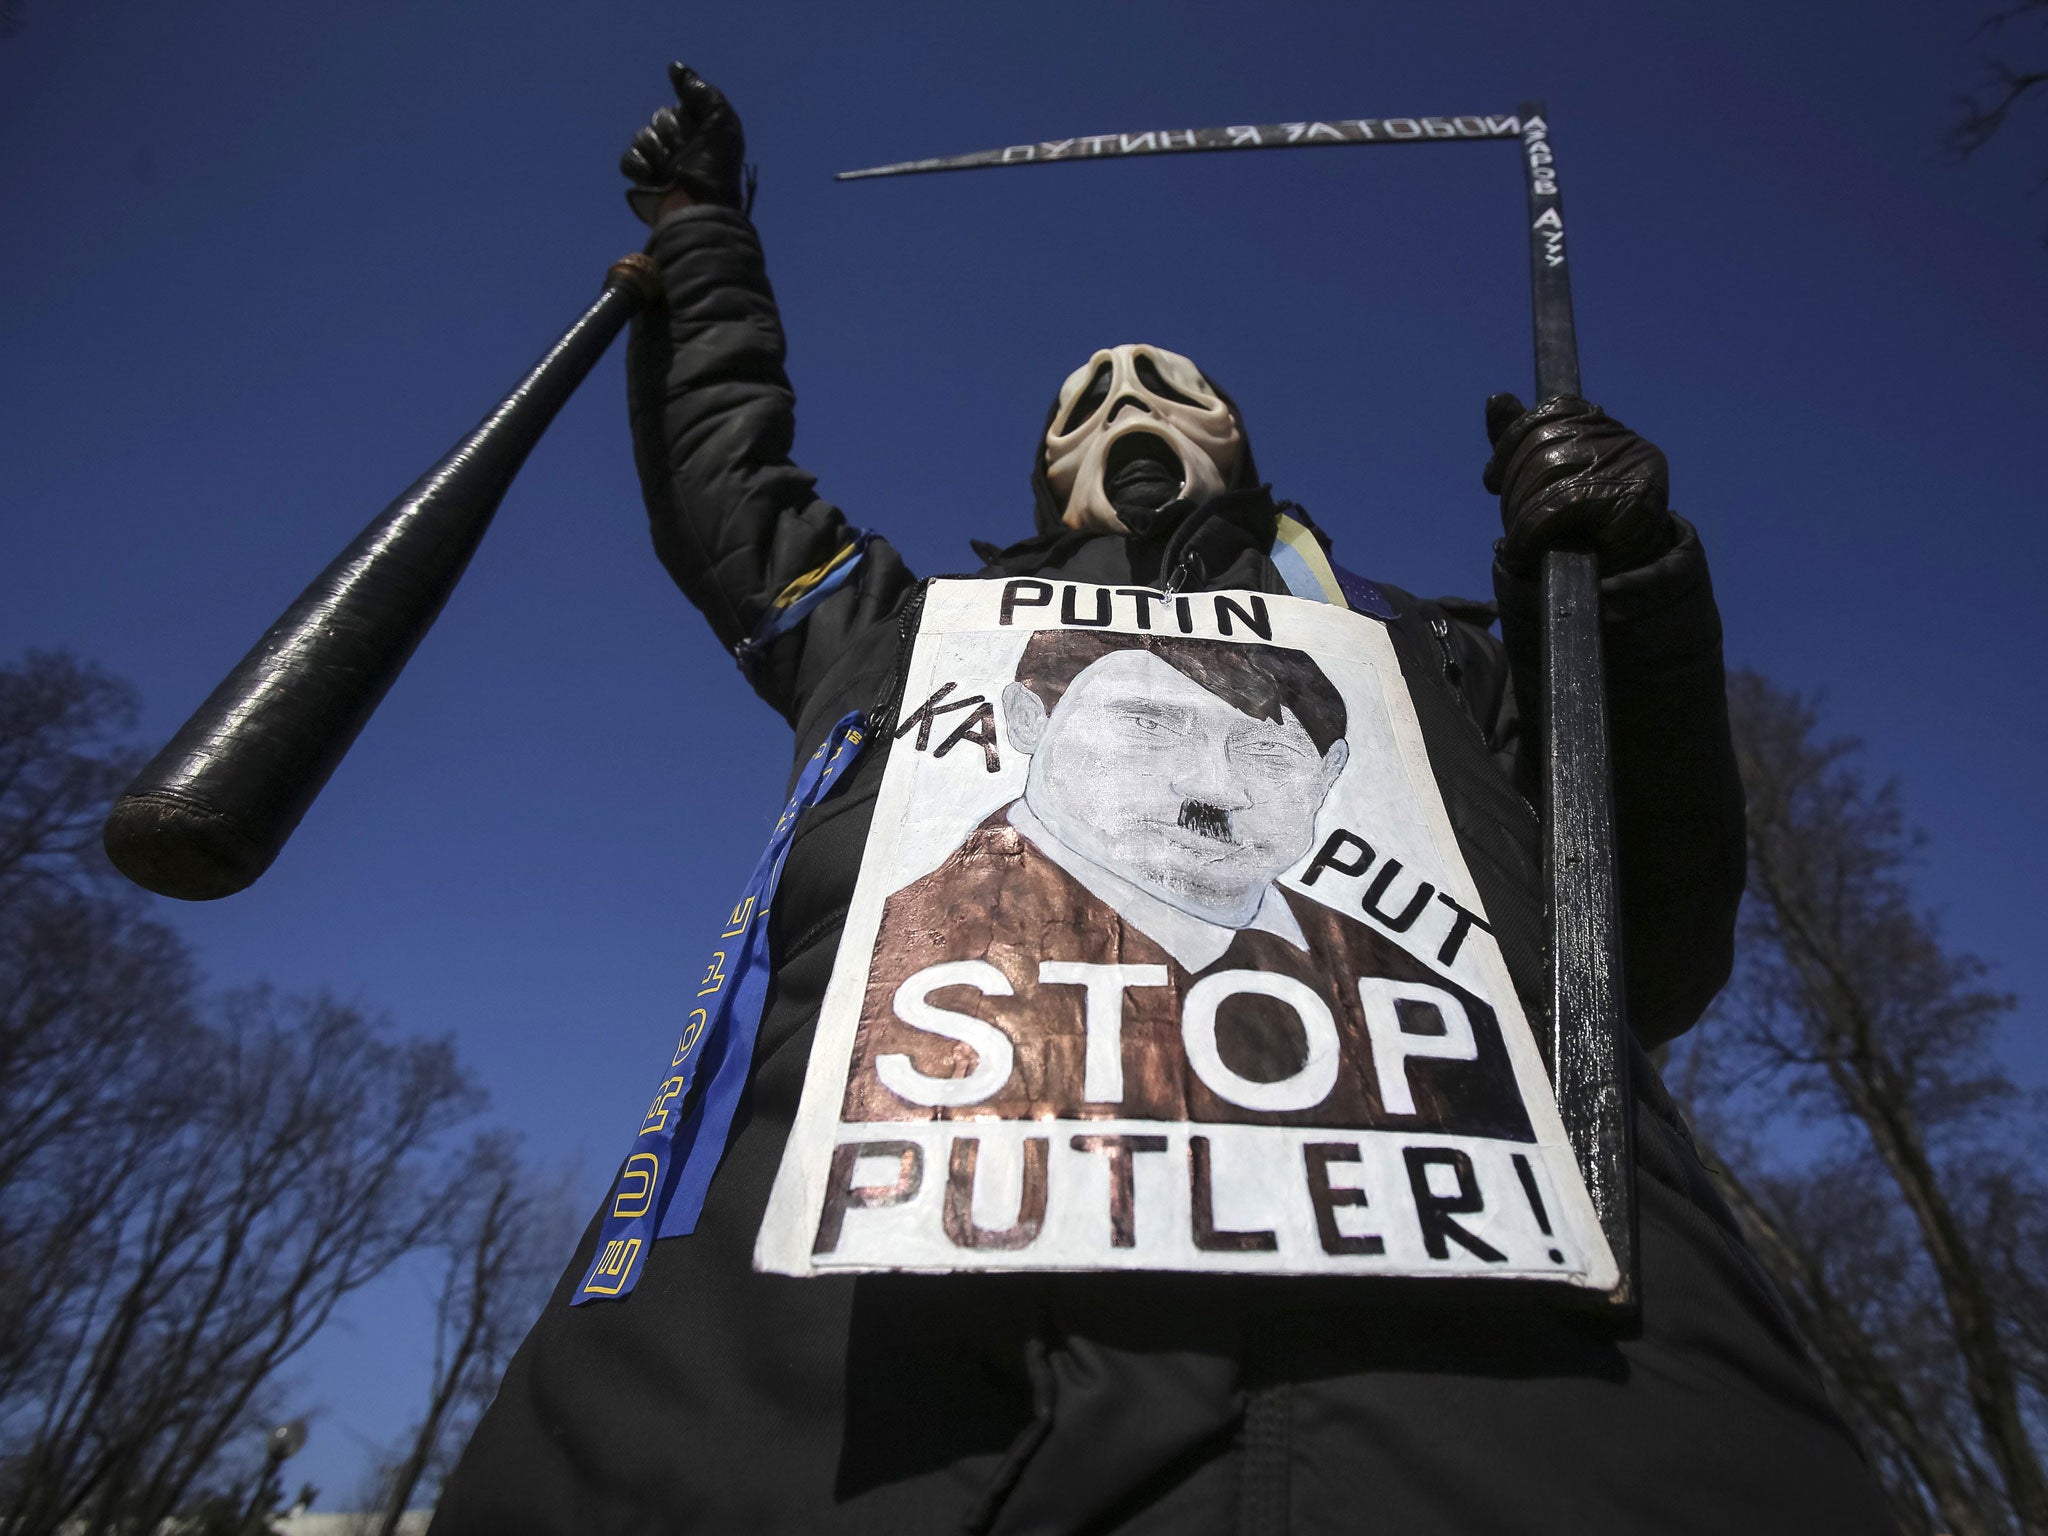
{"x": 260, "y": 264}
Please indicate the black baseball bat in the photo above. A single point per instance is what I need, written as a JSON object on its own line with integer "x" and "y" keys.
{"x": 212, "y": 810}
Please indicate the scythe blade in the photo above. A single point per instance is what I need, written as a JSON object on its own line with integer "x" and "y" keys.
{"x": 1331, "y": 133}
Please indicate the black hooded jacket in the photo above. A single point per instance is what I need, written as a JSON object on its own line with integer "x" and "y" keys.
{"x": 718, "y": 1399}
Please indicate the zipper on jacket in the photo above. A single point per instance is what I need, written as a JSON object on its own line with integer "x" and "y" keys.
{"x": 882, "y": 717}
{"x": 1454, "y": 681}
{"x": 1453, "y": 673}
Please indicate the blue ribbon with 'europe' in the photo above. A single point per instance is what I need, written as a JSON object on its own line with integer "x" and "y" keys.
{"x": 661, "y": 1186}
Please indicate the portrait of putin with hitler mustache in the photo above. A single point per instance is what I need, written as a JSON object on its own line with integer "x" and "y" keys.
{"x": 1116, "y": 942}
{"x": 1188, "y": 771}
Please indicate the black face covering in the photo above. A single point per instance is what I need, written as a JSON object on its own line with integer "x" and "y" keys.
{"x": 1142, "y": 476}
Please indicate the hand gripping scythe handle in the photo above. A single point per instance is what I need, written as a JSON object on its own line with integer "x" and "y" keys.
{"x": 1588, "y": 1044}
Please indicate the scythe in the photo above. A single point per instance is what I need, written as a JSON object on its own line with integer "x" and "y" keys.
{"x": 1587, "y": 1042}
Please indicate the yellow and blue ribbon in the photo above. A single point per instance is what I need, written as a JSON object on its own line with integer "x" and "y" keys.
{"x": 1305, "y": 565}
{"x": 661, "y": 1186}
{"x": 793, "y": 604}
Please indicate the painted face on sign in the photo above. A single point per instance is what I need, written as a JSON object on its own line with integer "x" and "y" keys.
{"x": 1142, "y": 770}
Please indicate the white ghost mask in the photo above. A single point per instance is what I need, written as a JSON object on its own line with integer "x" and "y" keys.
{"x": 1137, "y": 427}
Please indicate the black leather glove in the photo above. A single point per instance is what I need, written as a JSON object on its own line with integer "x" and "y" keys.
{"x": 1569, "y": 476}
{"x": 697, "y": 146}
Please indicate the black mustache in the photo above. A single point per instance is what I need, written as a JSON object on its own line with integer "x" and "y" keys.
{"x": 1208, "y": 820}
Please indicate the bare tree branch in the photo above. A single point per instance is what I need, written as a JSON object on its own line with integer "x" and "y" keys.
{"x": 1987, "y": 111}
{"x": 1981, "y": 114}
{"x": 1850, "y": 1011}
{"x": 188, "y": 1186}
{"x": 502, "y": 1254}
{"x": 61, "y": 764}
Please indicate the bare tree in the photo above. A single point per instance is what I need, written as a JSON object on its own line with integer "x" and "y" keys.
{"x": 188, "y": 1186}
{"x": 62, "y": 759}
{"x": 90, "y": 995}
{"x": 502, "y": 1253}
{"x": 95, "y": 1013}
{"x": 1847, "y": 1270}
{"x": 1850, "y": 1013}
{"x": 2010, "y": 1221}
{"x": 1982, "y": 113}
{"x": 290, "y": 1163}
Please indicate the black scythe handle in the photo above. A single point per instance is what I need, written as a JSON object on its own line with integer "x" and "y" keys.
{"x": 1588, "y": 1022}
{"x": 212, "y": 809}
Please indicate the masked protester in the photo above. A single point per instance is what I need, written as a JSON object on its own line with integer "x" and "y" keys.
{"x": 1145, "y": 786}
